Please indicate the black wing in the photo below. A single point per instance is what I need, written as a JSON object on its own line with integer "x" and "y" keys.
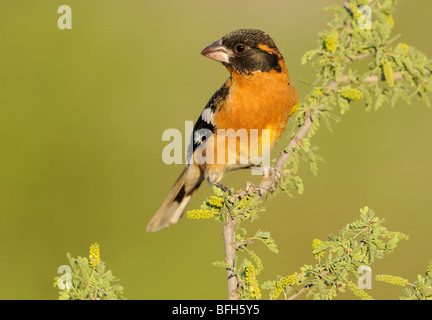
{"x": 205, "y": 127}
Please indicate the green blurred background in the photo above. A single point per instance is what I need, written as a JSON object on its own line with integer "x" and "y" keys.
{"x": 82, "y": 113}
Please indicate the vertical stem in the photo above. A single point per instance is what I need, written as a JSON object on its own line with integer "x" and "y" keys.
{"x": 88, "y": 285}
{"x": 228, "y": 234}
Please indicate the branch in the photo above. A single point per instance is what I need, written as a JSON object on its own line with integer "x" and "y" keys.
{"x": 398, "y": 76}
{"x": 229, "y": 243}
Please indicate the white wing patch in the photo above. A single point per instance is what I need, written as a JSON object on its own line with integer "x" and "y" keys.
{"x": 201, "y": 135}
{"x": 207, "y": 115}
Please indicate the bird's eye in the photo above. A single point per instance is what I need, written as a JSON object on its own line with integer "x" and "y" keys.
{"x": 240, "y": 48}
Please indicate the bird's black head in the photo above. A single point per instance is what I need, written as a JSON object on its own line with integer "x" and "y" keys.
{"x": 246, "y": 51}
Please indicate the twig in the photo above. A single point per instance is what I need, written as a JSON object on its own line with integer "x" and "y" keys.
{"x": 300, "y": 292}
{"x": 398, "y": 76}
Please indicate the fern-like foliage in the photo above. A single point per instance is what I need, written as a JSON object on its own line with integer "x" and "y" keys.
{"x": 88, "y": 279}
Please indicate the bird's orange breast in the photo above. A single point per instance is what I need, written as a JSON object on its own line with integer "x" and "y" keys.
{"x": 262, "y": 100}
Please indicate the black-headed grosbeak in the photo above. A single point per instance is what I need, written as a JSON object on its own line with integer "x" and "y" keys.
{"x": 258, "y": 95}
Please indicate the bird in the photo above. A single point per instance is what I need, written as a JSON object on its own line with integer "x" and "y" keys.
{"x": 257, "y": 95}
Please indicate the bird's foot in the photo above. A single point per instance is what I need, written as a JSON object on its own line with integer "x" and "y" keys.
{"x": 251, "y": 188}
{"x": 273, "y": 176}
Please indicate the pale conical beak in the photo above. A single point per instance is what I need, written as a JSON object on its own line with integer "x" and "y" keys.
{"x": 217, "y": 51}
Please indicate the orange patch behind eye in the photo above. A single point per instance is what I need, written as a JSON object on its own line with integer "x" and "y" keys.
{"x": 268, "y": 49}
{"x": 265, "y": 48}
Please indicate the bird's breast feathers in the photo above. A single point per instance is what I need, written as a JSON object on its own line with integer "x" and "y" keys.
{"x": 262, "y": 100}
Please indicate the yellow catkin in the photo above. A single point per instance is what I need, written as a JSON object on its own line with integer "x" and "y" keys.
{"x": 358, "y": 292}
{"x": 388, "y": 72}
{"x": 199, "y": 214}
{"x": 315, "y": 244}
{"x": 402, "y": 236}
{"x": 352, "y": 94}
{"x": 290, "y": 280}
{"x": 398, "y": 281}
{"x": 94, "y": 256}
{"x": 251, "y": 282}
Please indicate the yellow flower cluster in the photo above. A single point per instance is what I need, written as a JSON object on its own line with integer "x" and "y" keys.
{"x": 388, "y": 72}
{"x": 405, "y": 47}
{"x": 216, "y": 202}
{"x": 332, "y": 42}
{"x": 398, "y": 281}
{"x": 318, "y": 92}
{"x": 315, "y": 244}
{"x": 352, "y": 94}
{"x": 355, "y": 11}
{"x": 429, "y": 269}
{"x": 390, "y": 20}
{"x": 358, "y": 292}
{"x": 290, "y": 280}
{"x": 251, "y": 282}
{"x": 94, "y": 256}
{"x": 199, "y": 214}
